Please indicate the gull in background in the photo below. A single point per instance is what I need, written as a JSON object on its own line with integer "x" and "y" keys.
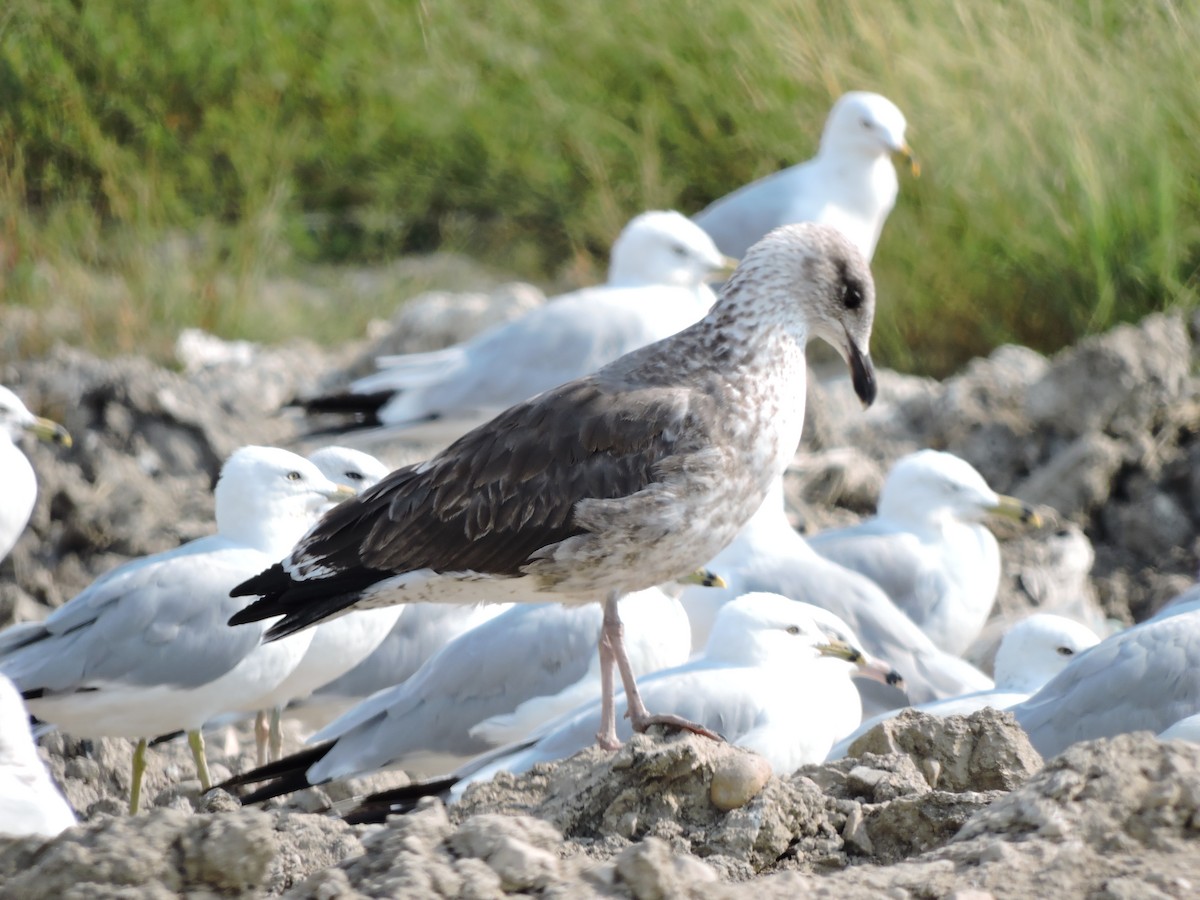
{"x": 1031, "y": 652}
{"x": 926, "y": 546}
{"x": 656, "y": 287}
{"x": 850, "y": 184}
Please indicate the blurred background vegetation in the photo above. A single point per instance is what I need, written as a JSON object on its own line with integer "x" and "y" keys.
{"x": 164, "y": 164}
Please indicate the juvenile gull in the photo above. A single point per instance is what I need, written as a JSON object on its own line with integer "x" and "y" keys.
{"x": 772, "y": 679}
{"x": 18, "y": 484}
{"x": 612, "y": 483}
{"x": 30, "y": 802}
{"x": 1144, "y": 678}
{"x": 769, "y": 555}
{"x": 1031, "y": 652}
{"x": 655, "y": 288}
{"x": 534, "y": 657}
{"x": 142, "y": 651}
{"x": 850, "y": 183}
{"x": 926, "y": 547}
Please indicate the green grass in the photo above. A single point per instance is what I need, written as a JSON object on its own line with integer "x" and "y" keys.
{"x": 164, "y": 164}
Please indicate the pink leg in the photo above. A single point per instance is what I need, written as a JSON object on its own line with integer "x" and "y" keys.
{"x": 606, "y": 737}
{"x": 613, "y": 633}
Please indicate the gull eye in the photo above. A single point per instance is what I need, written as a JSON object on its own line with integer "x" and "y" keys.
{"x": 679, "y": 250}
{"x": 865, "y": 122}
{"x": 852, "y": 295}
{"x": 793, "y": 629}
{"x": 353, "y": 476}
{"x": 294, "y": 476}
{"x": 1065, "y": 651}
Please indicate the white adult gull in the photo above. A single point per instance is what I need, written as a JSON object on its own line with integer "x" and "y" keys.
{"x": 656, "y": 287}
{"x": 529, "y": 664}
{"x": 769, "y": 555}
{"x": 1031, "y": 652}
{"x": 1144, "y": 678}
{"x": 142, "y": 651}
{"x": 772, "y": 679}
{"x": 423, "y": 630}
{"x": 850, "y": 184}
{"x": 339, "y": 644}
{"x": 926, "y": 546}
{"x": 30, "y": 801}
{"x": 612, "y": 483}
{"x": 18, "y": 483}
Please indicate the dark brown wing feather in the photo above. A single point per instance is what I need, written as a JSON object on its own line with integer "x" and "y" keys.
{"x": 491, "y": 499}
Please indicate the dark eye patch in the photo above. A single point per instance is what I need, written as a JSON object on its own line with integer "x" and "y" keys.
{"x": 852, "y": 288}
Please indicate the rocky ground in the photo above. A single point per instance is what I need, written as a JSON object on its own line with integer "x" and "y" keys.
{"x": 1103, "y": 433}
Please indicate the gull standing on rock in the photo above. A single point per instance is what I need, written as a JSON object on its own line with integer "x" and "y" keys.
{"x": 627, "y": 478}
{"x": 18, "y": 483}
{"x": 850, "y": 184}
{"x": 656, "y": 287}
{"x": 142, "y": 651}
{"x": 927, "y": 548}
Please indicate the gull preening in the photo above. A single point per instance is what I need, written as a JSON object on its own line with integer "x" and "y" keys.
{"x": 609, "y": 484}
{"x": 850, "y": 184}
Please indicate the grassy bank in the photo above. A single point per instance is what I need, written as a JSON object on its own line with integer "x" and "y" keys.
{"x": 162, "y": 163}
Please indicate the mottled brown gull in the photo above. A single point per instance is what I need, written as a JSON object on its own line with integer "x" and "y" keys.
{"x": 626, "y": 478}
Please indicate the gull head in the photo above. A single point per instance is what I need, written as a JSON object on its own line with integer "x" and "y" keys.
{"x": 349, "y": 468}
{"x": 931, "y": 486}
{"x": 759, "y": 628}
{"x": 826, "y": 286}
{"x": 15, "y": 418}
{"x": 869, "y": 124}
{"x": 267, "y": 497}
{"x": 660, "y": 247}
{"x": 1037, "y": 648}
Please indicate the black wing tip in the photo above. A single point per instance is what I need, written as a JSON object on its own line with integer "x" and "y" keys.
{"x": 283, "y": 776}
{"x": 363, "y": 407}
{"x": 375, "y": 808}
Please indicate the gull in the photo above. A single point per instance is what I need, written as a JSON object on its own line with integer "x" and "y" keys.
{"x": 30, "y": 801}
{"x": 769, "y": 555}
{"x": 18, "y": 484}
{"x": 1031, "y": 652}
{"x": 428, "y": 724}
{"x": 1144, "y": 678}
{"x": 850, "y": 184}
{"x": 1187, "y": 729}
{"x": 772, "y": 679}
{"x": 655, "y": 288}
{"x": 926, "y": 547}
{"x": 142, "y": 651}
{"x": 423, "y": 630}
{"x": 340, "y": 644}
{"x": 609, "y": 484}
